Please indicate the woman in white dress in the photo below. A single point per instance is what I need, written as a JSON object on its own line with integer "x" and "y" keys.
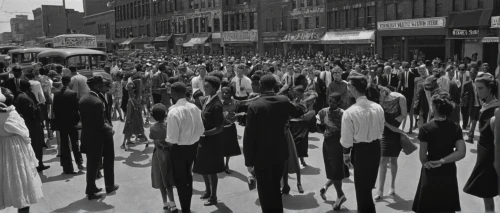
{"x": 20, "y": 185}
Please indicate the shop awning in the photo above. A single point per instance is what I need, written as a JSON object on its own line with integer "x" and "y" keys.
{"x": 126, "y": 42}
{"x": 195, "y": 41}
{"x": 349, "y": 37}
{"x": 142, "y": 40}
{"x": 490, "y": 40}
{"x": 216, "y": 38}
{"x": 160, "y": 39}
{"x": 119, "y": 40}
{"x": 475, "y": 18}
{"x": 298, "y": 37}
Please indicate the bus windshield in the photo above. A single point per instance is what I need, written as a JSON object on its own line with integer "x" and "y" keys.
{"x": 27, "y": 57}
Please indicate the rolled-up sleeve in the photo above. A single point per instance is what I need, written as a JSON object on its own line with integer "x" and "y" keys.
{"x": 172, "y": 127}
{"x": 347, "y": 131}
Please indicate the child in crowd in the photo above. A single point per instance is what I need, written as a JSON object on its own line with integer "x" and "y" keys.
{"x": 229, "y": 105}
{"x": 161, "y": 166}
{"x": 133, "y": 120}
{"x": 116, "y": 91}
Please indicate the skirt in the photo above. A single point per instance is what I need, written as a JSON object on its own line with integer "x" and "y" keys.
{"x": 293, "y": 158}
{"x": 230, "y": 138}
{"x": 300, "y": 132}
{"x": 390, "y": 145}
{"x": 437, "y": 190}
{"x": 210, "y": 156}
{"x": 161, "y": 169}
{"x": 20, "y": 184}
{"x": 483, "y": 182}
{"x": 333, "y": 156}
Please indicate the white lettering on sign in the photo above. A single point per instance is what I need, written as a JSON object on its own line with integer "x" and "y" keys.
{"x": 307, "y": 11}
{"x": 82, "y": 42}
{"x": 243, "y": 36}
{"x": 460, "y": 32}
{"x": 495, "y": 22}
{"x": 244, "y": 10}
{"x": 412, "y": 24}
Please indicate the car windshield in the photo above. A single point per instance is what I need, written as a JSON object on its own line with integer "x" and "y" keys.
{"x": 52, "y": 60}
{"x": 81, "y": 62}
{"x": 27, "y": 57}
{"x": 14, "y": 58}
{"x": 98, "y": 61}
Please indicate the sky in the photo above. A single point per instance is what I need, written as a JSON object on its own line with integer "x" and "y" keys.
{"x": 10, "y": 8}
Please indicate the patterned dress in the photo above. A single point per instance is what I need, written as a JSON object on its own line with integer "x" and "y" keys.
{"x": 230, "y": 135}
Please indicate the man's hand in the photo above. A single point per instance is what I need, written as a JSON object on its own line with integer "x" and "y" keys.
{"x": 347, "y": 160}
{"x": 251, "y": 170}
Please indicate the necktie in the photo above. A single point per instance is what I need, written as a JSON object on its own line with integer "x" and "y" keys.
{"x": 389, "y": 77}
{"x": 18, "y": 82}
{"x": 476, "y": 99}
{"x": 406, "y": 79}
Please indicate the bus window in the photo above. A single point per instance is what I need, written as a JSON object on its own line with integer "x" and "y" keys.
{"x": 14, "y": 58}
{"x": 52, "y": 60}
{"x": 98, "y": 61}
{"x": 27, "y": 58}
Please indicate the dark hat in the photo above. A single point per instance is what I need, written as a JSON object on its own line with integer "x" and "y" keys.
{"x": 95, "y": 80}
{"x": 269, "y": 81}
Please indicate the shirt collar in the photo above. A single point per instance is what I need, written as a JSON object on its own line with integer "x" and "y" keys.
{"x": 361, "y": 99}
{"x": 181, "y": 101}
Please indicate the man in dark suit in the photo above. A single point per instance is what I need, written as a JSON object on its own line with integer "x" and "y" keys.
{"x": 97, "y": 136}
{"x": 66, "y": 115}
{"x": 13, "y": 84}
{"x": 265, "y": 151}
{"x": 470, "y": 105}
{"x": 406, "y": 87}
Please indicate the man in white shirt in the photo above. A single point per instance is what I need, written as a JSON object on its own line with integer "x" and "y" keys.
{"x": 326, "y": 75}
{"x": 78, "y": 83}
{"x": 361, "y": 130}
{"x": 36, "y": 88}
{"x": 198, "y": 82}
{"x": 243, "y": 86}
{"x": 184, "y": 129}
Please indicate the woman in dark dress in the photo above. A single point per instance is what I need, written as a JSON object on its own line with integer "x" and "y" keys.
{"x": 210, "y": 157}
{"x": 483, "y": 181}
{"x": 441, "y": 145}
{"x": 329, "y": 123}
{"x": 230, "y": 135}
{"x": 394, "y": 105}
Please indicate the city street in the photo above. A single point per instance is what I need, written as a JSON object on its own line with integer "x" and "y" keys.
{"x": 66, "y": 193}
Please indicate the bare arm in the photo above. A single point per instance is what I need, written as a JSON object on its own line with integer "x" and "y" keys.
{"x": 495, "y": 125}
{"x": 402, "y": 106}
{"x": 423, "y": 152}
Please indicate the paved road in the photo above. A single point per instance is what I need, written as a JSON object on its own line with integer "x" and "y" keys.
{"x": 64, "y": 193}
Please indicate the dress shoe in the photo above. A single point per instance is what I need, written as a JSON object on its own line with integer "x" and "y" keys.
{"x": 70, "y": 173}
{"x": 80, "y": 167}
{"x": 41, "y": 168}
{"x": 98, "y": 190}
{"x": 99, "y": 175}
{"x": 338, "y": 204}
{"x": 205, "y": 196}
{"x": 299, "y": 187}
{"x": 94, "y": 196}
{"x": 112, "y": 189}
{"x": 322, "y": 193}
{"x": 211, "y": 202}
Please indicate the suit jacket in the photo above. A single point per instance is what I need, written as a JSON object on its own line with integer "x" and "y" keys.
{"x": 264, "y": 141}
{"x": 455, "y": 97}
{"x": 158, "y": 79}
{"x": 11, "y": 85}
{"x": 411, "y": 83}
{"x": 467, "y": 96}
{"x": 65, "y": 108}
{"x": 96, "y": 129}
{"x": 26, "y": 107}
{"x": 394, "y": 80}
{"x": 107, "y": 99}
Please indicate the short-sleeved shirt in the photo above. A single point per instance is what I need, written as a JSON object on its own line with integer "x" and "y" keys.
{"x": 332, "y": 119}
{"x": 158, "y": 132}
{"x": 184, "y": 123}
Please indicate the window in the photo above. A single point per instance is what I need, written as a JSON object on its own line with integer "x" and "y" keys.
{"x": 268, "y": 25}
{"x": 317, "y": 22}
{"x": 203, "y": 24}
{"x": 361, "y": 17}
{"x": 191, "y": 4}
{"x": 233, "y": 22}
{"x": 237, "y": 21}
{"x": 169, "y": 27}
{"x": 428, "y": 8}
{"x": 295, "y": 24}
{"x": 244, "y": 21}
{"x": 390, "y": 13}
{"x": 471, "y": 4}
{"x": 309, "y": 3}
{"x": 196, "y": 25}
{"x": 227, "y": 2}
{"x": 190, "y": 26}
{"x": 342, "y": 19}
{"x": 275, "y": 25}
{"x": 370, "y": 16}
{"x": 148, "y": 30}
{"x": 209, "y": 3}
{"x": 252, "y": 20}
{"x": 216, "y": 3}
{"x": 197, "y": 4}
{"x": 400, "y": 10}
{"x": 307, "y": 23}
{"x": 284, "y": 25}
{"x": 294, "y": 4}
{"x": 203, "y": 3}
{"x": 225, "y": 23}
{"x": 346, "y": 17}
{"x": 216, "y": 25}
{"x": 331, "y": 20}
{"x": 480, "y": 4}
{"x": 441, "y": 8}
{"x": 301, "y": 3}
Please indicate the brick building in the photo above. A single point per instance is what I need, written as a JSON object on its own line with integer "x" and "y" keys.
{"x": 6, "y": 37}
{"x": 91, "y": 7}
{"x": 20, "y": 29}
{"x": 101, "y": 25}
{"x": 132, "y": 20}
{"x": 50, "y": 21}
{"x": 275, "y": 17}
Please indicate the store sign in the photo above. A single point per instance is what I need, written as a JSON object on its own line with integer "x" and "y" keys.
{"x": 307, "y": 11}
{"x": 179, "y": 41}
{"x": 101, "y": 38}
{"x": 474, "y": 32}
{"x": 303, "y": 36}
{"x": 79, "y": 42}
{"x": 270, "y": 39}
{"x": 438, "y": 22}
{"x": 240, "y": 36}
{"x": 495, "y": 22}
{"x": 244, "y": 10}
{"x": 205, "y": 14}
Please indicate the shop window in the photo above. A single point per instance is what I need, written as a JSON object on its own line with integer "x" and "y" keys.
{"x": 196, "y": 25}
{"x": 216, "y": 25}
{"x": 428, "y": 8}
{"x": 441, "y": 8}
{"x": 225, "y": 23}
{"x": 252, "y": 20}
{"x": 244, "y": 21}
{"x": 317, "y": 22}
{"x": 295, "y": 24}
{"x": 190, "y": 25}
{"x": 331, "y": 20}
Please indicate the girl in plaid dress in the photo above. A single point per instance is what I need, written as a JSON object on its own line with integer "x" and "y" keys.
{"x": 117, "y": 92}
{"x": 147, "y": 93}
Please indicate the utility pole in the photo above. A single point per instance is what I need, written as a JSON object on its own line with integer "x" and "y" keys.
{"x": 66, "y": 14}
{"x": 151, "y": 28}
{"x": 260, "y": 43}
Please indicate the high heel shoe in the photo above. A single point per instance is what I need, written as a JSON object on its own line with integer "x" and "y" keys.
{"x": 205, "y": 196}
{"x": 210, "y": 202}
{"x": 322, "y": 193}
{"x": 285, "y": 190}
{"x": 299, "y": 187}
{"x": 338, "y": 204}
{"x": 378, "y": 196}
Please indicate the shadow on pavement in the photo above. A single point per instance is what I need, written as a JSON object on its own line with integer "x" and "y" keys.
{"x": 234, "y": 174}
{"x": 310, "y": 170}
{"x": 60, "y": 177}
{"x": 85, "y": 205}
{"x": 312, "y": 146}
{"x": 300, "y": 202}
{"x": 222, "y": 208}
{"x": 400, "y": 204}
{"x": 135, "y": 156}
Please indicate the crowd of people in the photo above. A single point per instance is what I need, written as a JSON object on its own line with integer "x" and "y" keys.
{"x": 360, "y": 105}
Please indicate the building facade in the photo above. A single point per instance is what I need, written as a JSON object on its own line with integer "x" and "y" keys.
{"x": 102, "y": 25}
{"x": 91, "y": 7}
{"x": 6, "y": 37}
{"x": 20, "y": 29}
{"x": 54, "y": 20}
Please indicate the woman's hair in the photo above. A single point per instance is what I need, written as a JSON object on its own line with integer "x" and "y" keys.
{"x": 489, "y": 81}
{"x": 224, "y": 83}
{"x": 43, "y": 71}
{"x": 443, "y": 103}
{"x": 373, "y": 93}
{"x": 8, "y": 95}
{"x": 214, "y": 81}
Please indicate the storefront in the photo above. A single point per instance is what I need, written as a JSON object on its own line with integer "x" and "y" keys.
{"x": 272, "y": 44}
{"x": 140, "y": 43}
{"x": 412, "y": 39}
{"x": 492, "y": 46}
{"x": 198, "y": 43}
{"x": 125, "y": 45}
{"x": 178, "y": 42}
{"x": 238, "y": 43}
{"x": 303, "y": 42}
{"x": 349, "y": 43}
{"x": 163, "y": 43}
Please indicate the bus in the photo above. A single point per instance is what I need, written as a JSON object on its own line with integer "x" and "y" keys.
{"x": 88, "y": 62}
{"x": 25, "y": 58}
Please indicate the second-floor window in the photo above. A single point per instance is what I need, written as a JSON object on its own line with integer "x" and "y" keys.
{"x": 284, "y": 26}
{"x": 370, "y": 16}
{"x": 317, "y": 22}
{"x": 216, "y": 25}
{"x": 428, "y": 8}
{"x": 471, "y": 4}
{"x": 330, "y": 20}
{"x": 252, "y": 20}
{"x": 309, "y": 3}
{"x": 294, "y": 4}
{"x": 190, "y": 25}
{"x": 390, "y": 13}
{"x": 441, "y": 8}
{"x": 244, "y": 21}
{"x": 295, "y": 24}
{"x": 196, "y": 25}
{"x": 268, "y": 25}
{"x": 225, "y": 23}
{"x": 308, "y": 23}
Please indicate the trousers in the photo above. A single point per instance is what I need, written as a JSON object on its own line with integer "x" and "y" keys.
{"x": 183, "y": 157}
{"x": 96, "y": 154}
{"x": 366, "y": 159}
{"x": 67, "y": 135}
{"x": 269, "y": 187}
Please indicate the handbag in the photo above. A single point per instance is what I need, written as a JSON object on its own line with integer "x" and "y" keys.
{"x": 406, "y": 144}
